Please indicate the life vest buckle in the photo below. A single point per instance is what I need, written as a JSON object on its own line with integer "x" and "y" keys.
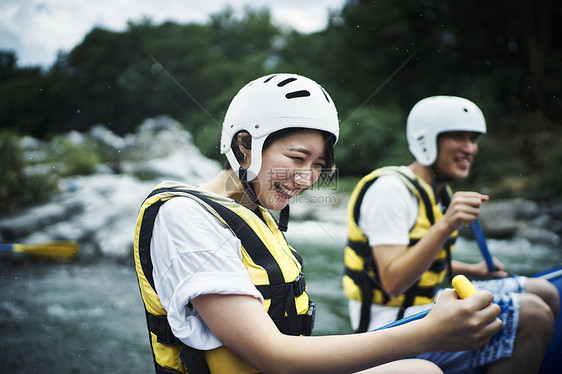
{"x": 299, "y": 285}
{"x": 308, "y": 319}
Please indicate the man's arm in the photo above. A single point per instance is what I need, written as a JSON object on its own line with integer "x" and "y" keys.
{"x": 400, "y": 268}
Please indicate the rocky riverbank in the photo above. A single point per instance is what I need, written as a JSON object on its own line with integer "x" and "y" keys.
{"x": 99, "y": 210}
{"x": 521, "y": 218}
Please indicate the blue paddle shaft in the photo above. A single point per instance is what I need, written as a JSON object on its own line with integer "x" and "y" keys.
{"x": 402, "y": 321}
{"x": 481, "y": 240}
{"x": 6, "y": 247}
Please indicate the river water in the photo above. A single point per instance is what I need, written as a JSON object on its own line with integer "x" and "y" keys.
{"x": 87, "y": 317}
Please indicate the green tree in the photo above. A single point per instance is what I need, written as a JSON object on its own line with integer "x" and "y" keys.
{"x": 376, "y": 58}
{"x": 371, "y": 138}
{"x": 24, "y": 107}
{"x": 500, "y": 55}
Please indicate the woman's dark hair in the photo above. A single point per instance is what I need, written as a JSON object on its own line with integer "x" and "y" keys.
{"x": 246, "y": 142}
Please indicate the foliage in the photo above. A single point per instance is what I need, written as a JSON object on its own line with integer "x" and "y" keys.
{"x": 370, "y": 139}
{"x": 495, "y": 171}
{"x": 549, "y": 181}
{"x": 73, "y": 158}
{"x": 377, "y": 59}
{"x": 20, "y": 188}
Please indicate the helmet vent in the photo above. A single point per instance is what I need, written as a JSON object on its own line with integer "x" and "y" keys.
{"x": 295, "y": 94}
{"x": 270, "y": 78}
{"x": 465, "y": 110}
{"x": 325, "y": 95}
{"x": 286, "y": 81}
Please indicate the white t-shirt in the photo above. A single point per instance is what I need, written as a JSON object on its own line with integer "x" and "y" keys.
{"x": 388, "y": 211}
{"x": 193, "y": 253}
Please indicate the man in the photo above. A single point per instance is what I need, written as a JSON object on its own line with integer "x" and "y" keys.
{"x": 402, "y": 226}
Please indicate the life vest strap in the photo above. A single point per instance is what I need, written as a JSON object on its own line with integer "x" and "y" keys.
{"x": 362, "y": 249}
{"x": 360, "y": 277}
{"x": 301, "y": 324}
{"x": 269, "y": 291}
{"x": 364, "y": 282}
{"x": 159, "y": 326}
{"x": 162, "y": 370}
{"x": 194, "y": 360}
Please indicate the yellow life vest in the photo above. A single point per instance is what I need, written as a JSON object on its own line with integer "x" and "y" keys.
{"x": 361, "y": 281}
{"x": 274, "y": 267}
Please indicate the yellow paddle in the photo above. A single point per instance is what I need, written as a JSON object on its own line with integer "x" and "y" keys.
{"x": 54, "y": 249}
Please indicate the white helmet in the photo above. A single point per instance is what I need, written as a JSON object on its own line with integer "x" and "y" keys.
{"x": 272, "y": 103}
{"x": 438, "y": 114}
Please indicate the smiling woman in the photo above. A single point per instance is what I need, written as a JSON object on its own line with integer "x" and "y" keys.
{"x": 223, "y": 290}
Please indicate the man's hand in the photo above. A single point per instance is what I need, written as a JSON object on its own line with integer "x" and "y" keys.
{"x": 481, "y": 270}
{"x": 464, "y": 208}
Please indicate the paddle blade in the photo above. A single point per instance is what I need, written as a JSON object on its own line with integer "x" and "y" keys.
{"x": 55, "y": 249}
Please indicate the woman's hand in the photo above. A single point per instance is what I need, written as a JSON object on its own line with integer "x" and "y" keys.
{"x": 463, "y": 325}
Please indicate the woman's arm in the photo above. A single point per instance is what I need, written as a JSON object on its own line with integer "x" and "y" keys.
{"x": 242, "y": 324}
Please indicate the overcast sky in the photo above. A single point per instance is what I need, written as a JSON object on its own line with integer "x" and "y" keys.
{"x": 37, "y": 29}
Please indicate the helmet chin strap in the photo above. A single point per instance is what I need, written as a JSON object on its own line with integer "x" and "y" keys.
{"x": 284, "y": 219}
{"x": 252, "y": 171}
{"x": 250, "y": 190}
{"x": 440, "y": 181}
{"x": 248, "y": 185}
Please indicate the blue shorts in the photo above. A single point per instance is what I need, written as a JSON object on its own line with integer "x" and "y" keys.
{"x": 506, "y": 294}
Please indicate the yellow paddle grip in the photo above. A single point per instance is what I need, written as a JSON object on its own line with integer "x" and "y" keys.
{"x": 463, "y": 286}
